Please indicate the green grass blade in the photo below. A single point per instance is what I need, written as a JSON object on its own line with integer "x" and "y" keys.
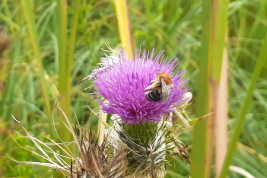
{"x": 261, "y": 62}
{"x": 29, "y": 15}
{"x": 213, "y": 26}
{"x": 72, "y": 40}
{"x": 66, "y": 53}
{"x": 200, "y": 142}
{"x": 63, "y": 73}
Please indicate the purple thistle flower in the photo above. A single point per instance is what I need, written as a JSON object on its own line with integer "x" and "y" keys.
{"x": 122, "y": 84}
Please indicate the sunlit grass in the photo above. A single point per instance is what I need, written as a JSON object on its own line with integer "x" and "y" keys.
{"x": 166, "y": 25}
{"x": 214, "y": 23}
{"x": 261, "y": 61}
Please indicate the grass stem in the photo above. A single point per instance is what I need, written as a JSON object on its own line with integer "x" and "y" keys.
{"x": 124, "y": 24}
{"x": 29, "y": 15}
{"x": 261, "y": 62}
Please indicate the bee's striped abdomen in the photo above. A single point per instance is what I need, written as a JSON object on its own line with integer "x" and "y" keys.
{"x": 153, "y": 96}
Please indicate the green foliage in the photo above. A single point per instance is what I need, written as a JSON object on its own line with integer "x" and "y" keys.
{"x": 173, "y": 26}
{"x": 214, "y": 23}
{"x": 261, "y": 61}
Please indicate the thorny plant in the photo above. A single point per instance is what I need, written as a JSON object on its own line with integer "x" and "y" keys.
{"x": 142, "y": 135}
{"x": 94, "y": 161}
{"x": 109, "y": 158}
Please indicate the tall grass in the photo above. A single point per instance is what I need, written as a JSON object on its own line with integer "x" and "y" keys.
{"x": 66, "y": 45}
{"x": 214, "y": 22}
{"x": 261, "y": 61}
{"x": 30, "y": 18}
{"x": 64, "y": 80}
{"x": 51, "y": 56}
{"x": 124, "y": 24}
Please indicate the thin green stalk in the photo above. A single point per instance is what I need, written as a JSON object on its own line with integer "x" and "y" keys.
{"x": 74, "y": 24}
{"x": 29, "y": 15}
{"x": 124, "y": 26}
{"x": 214, "y": 26}
{"x": 72, "y": 40}
{"x": 198, "y": 168}
{"x": 261, "y": 62}
{"x": 63, "y": 73}
{"x": 66, "y": 53}
{"x": 257, "y": 31}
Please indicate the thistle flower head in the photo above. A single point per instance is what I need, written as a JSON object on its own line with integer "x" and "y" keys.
{"x": 123, "y": 81}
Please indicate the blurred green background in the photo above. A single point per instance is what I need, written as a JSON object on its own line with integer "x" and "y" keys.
{"x": 39, "y": 62}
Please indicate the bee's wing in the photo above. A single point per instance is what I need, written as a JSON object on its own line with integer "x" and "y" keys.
{"x": 166, "y": 90}
{"x": 153, "y": 85}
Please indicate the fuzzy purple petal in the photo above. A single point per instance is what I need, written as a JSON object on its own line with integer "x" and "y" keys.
{"x": 123, "y": 84}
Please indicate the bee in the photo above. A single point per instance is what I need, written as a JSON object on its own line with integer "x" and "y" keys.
{"x": 159, "y": 88}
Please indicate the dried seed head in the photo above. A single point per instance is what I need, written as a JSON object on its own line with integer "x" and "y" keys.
{"x": 95, "y": 160}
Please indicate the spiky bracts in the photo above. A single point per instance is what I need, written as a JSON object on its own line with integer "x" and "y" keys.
{"x": 147, "y": 146}
{"x": 97, "y": 161}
